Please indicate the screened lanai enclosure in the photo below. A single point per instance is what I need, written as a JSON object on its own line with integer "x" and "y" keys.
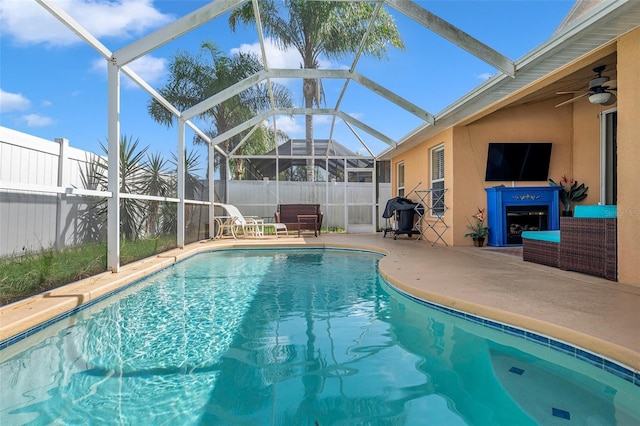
{"x": 344, "y": 183}
{"x": 233, "y": 122}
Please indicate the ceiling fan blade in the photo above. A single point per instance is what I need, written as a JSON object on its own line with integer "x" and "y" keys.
{"x": 573, "y": 99}
{"x": 570, "y": 92}
{"x": 611, "y": 85}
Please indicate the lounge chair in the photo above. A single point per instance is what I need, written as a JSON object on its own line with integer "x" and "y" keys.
{"x": 235, "y": 223}
{"x": 278, "y": 228}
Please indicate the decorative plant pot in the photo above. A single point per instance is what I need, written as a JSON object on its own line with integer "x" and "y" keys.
{"x": 478, "y": 242}
{"x": 567, "y": 213}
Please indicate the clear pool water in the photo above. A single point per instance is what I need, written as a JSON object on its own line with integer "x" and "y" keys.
{"x": 292, "y": 338}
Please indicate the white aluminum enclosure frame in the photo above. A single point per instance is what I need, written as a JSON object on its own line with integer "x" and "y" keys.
{"x": 118, "y": 63}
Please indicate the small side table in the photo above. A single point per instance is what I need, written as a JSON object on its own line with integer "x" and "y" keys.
{"x": 308, "y": 222}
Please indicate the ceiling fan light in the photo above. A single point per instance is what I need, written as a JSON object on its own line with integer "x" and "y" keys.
{"x": 611, "y": 101}
{"x": 600, "y": 98}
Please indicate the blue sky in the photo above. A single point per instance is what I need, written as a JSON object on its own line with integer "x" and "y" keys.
{"x": 54, "y": 85}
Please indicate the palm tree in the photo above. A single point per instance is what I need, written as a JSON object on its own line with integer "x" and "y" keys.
{"x": 316, "y": 28}
{"x": 132, "y": 181}
{"x": 134, "y": 178}
{"x": 158, "y": 183}
{"x": 193, "y": 188}
{"x": 93, "y": 215}
{"x": 265, "y": 140}
{"x": 195, "y": 78}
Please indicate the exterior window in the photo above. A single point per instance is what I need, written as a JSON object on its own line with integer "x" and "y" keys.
{"x": 401, "y": 179}
{"x": 437, "y": 181}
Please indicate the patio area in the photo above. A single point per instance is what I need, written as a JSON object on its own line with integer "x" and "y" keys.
{"x": 585, "y": 311}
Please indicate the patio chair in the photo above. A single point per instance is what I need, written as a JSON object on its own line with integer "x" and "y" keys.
{"x": 235, "y": 222}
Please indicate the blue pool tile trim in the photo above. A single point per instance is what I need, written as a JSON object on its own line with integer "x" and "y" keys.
{"x": 562, "y": 347}
{"x": 537, "y": 338}
{"x": 558, "y": 345}
{"x": 600, "y": 362}
{"x": 562, "y": 414}
{"x": 516, "y": 370}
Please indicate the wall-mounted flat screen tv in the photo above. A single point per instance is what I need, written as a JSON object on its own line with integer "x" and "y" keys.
{"x": 518, "y": 161}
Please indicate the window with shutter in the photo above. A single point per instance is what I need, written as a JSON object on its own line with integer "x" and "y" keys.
{"x": 400, "y": 176}
{"x": 437, "y": 181}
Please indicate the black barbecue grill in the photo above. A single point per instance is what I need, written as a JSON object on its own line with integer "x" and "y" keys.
{"x": 402, "y": 211}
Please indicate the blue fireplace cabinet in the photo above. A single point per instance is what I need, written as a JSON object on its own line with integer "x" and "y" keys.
{"x": 511, "y": 210}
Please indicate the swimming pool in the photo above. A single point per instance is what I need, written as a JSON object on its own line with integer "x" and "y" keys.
{"x": 292, "y": 337}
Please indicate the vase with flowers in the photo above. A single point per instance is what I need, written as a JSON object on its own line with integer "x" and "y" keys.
{"x": 570, "y": 192}
{"x": 478, "y": 229}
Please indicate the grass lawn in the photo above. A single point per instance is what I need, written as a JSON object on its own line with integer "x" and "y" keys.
{"x": 34, "y": 273}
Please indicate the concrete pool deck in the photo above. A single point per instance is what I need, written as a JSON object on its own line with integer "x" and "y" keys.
{"x": 592, "y": 313}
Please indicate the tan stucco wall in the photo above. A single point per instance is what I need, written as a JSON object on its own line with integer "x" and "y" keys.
{"x": 466, "y": 157}
{"x": 574, "y": 130}
{"x": 416, "y": 171}
{"x": 629, "y": 158}
{"x": 539, "y": 122}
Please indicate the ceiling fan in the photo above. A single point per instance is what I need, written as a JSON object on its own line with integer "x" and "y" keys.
{"x": 599, "y": 92}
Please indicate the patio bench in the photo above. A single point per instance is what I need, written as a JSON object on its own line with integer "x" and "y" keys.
{"x": 288, "y": 214}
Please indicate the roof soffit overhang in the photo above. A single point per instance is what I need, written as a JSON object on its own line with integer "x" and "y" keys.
{"x": 530, "y": 90}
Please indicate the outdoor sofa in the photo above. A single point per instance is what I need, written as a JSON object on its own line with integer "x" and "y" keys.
{"x": 289, "y": 215}
{"x": 586, "y": 243}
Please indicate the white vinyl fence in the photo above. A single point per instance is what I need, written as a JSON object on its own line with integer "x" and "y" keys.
{"x": 345, "y": 206}
{"x": 38, "y": 192}
{"x": 43, "y": 197}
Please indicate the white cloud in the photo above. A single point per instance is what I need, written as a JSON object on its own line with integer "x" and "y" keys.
{"x": 277, "y": 58}
{"x": 99, "y": 66}
{"x": 13, "y": 102}
{"x": 29, "y": 23}
{"x": 288, "y": 125}
{"x": 36, "y": 120}
{"x": 327, "y": 64}
{"x": 17, "y": 102}
{"x": 356, "y": 115}
{"x": 322, "y": 119}
{"x": 484, "y": 76}
{"x": 149, "y": 68}
{"x": 294, "y": 127}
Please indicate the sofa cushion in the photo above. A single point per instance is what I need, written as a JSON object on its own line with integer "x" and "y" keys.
{"x": 596, "y": 211}
{"x": 549, "y": 236}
